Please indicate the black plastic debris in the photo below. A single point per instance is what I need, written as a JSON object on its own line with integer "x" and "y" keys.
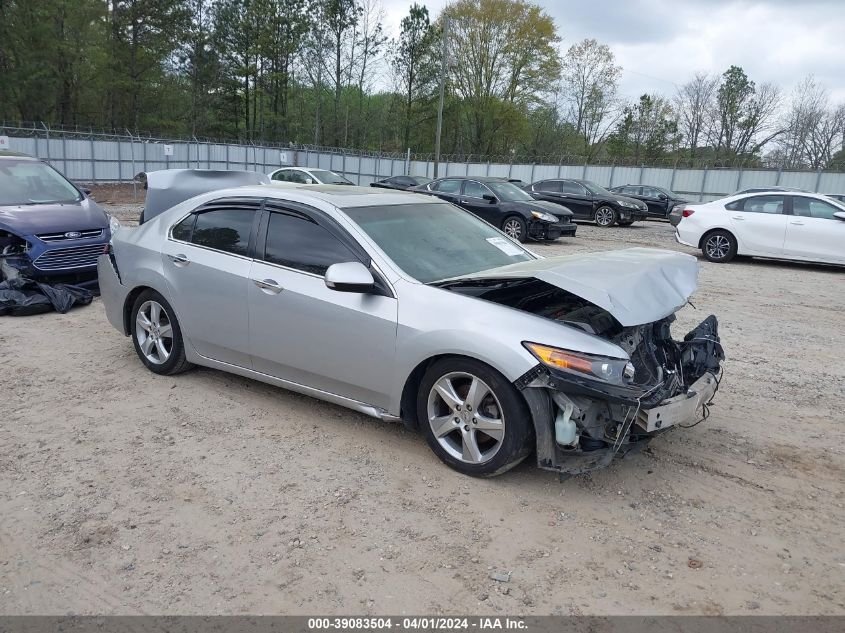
{"x": 23, "y": 297}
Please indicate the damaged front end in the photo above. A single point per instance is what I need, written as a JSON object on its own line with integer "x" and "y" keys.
{"x": 666, "y": 383}
{"x": 14, "y": 256}
{"x": 587, "y": 410}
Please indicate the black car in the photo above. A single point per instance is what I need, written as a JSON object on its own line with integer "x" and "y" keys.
{"x": 505, "y": 206}
{"x": 588, "y": 201}
{"x": 401, "y": 182}
{"x": 660, "y": 201}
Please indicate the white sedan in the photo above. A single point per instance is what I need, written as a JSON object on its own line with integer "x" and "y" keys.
{"x": 777, "y": 224}
{"x": 308, "y": 176}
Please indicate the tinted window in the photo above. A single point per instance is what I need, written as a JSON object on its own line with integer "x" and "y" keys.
{"x": 630, "y": 190}
{"x": 283, "y": 176}
{"x": 473, "y": 189}
{"x": 182, "y": 231}
{"x": 402, "y": 181}
{"x": 651, "y": 192}
{"x": 812, "y": 208}
{"x": 296, "y": 242}
{"x": 225, "y": 230}
{"x": 763, "y": 204}
{"x": 450, "y": 185}
{"x": 548, "y": 185}
{"x": 300, "y": 177}
{"x": 573, "y": 187}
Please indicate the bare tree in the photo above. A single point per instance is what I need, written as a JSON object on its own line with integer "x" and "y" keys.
{"x": 694, "y": 104}
{"x": 590, "y": 84}
{"x": 813, "y": 127}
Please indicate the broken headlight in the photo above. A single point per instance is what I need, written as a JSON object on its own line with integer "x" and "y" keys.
{"x": 546, "y": 217}
{"x": 114, "y": 224}
{"x": 612, "y": 370}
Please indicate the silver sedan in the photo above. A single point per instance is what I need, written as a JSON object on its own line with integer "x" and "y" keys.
{"x": 406, "y": 307}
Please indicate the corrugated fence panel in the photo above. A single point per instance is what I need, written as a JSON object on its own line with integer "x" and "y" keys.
{"x": 113, "y": 159}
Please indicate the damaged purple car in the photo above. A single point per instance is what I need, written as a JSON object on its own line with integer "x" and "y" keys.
{"x": 50, "y": 230}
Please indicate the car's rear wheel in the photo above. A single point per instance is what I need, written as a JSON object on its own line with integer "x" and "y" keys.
{"x": 516, "y": 228}
{"x": 156, "y": 334}
{"x": 719, "y": 246}
{"x": 475, "y": 421}
{"x": 605, "y": 216}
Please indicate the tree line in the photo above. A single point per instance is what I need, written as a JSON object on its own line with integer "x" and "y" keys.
{"x": 325, "y": 72}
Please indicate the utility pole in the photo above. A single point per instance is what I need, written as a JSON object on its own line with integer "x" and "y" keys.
{"x": 443, "y": 67}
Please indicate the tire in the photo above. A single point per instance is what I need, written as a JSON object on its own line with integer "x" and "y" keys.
{"x": 141, "y": 218}
{"x": 515, "y": 227}
{"x": 719, "y": 246}
{"x": 605, "y": 216}
{"x": 153, "y": 324}
{"x": 457, "y": 434}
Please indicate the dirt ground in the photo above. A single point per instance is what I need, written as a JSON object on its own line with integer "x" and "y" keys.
{"x": 125, "y": 492}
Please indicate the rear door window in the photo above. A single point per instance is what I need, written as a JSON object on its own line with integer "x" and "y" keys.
{"x": 762, "y": 204}
{"x": 226, "y": 230}
{"x": 551, "y": 186}
{"x": 450, "y": 185}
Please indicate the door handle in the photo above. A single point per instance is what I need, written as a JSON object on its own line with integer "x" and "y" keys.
{"x": 737, "y": 217}
{"x": 797, "y": 223}
{"x": 270, "y": 286}
{"x": 179, "y": 260}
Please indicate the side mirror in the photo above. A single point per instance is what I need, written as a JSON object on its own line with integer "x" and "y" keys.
{"x": 840, "y": 215}
{"x": 662, "y": 196}
{"x": 308, "y": 181}
{"x": 490, "y": 199}
{"x": 350, "y": 277}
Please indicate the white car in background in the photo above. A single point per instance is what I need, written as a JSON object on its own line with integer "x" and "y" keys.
{"x": 308, "y": 176}
{"x": 777, "y": 224}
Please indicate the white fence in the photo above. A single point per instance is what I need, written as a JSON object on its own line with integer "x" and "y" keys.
{"x": 118, "y": 158}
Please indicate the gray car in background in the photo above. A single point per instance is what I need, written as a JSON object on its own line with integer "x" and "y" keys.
{"x": 403, "y": 306}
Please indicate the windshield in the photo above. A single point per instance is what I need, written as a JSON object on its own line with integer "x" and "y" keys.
{"x": 33, "y": 182}
{"x": 595, "y": 189}
{"x": 509, "y": 192}
{"x": 436, "y": 241}
{"x": 329, "y": 177}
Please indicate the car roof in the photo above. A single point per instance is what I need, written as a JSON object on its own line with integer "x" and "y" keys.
{"x": 478, "y": 178}
{"x": 5, "y": 153}
{"x": 343, "y": 196}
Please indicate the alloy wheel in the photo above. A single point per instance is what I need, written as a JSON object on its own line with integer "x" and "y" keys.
{"x": 154, "y": 331}
{"x": 717, "y": 246}
{"x": 513, "y": 228}
{"x": 466, "y": 417}
{"x": 604, "y": 217}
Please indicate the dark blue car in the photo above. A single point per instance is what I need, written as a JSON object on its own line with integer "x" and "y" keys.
{"x": 50, "y": 230}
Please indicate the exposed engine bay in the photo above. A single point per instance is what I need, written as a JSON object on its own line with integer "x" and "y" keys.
{"x": 668, "y": 382}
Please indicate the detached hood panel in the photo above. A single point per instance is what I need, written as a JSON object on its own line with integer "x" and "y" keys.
{"x": 635, "y": 285}
{"x": 168, "y": 187}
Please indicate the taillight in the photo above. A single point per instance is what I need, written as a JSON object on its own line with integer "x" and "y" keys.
{"x": 687, "y": 212}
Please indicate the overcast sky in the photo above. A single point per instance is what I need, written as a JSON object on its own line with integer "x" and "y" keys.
{"x": 660, "y": 43}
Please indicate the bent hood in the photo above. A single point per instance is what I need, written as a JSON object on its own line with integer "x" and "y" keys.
{"x": 168, "y": 187}
{"x": 635, "y": 285}
{"x": 53, "y": 218}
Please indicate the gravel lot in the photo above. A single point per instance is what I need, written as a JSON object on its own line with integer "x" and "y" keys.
{"x": 125, "y": 492}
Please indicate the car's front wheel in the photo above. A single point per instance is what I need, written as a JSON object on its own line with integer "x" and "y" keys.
{"x": 516, "y": 228}
{"x": 475, "y": 421}
{"x": 156, "y": 334}
{"x": 605, "y": 216}
{"x": 719, "y": 246}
